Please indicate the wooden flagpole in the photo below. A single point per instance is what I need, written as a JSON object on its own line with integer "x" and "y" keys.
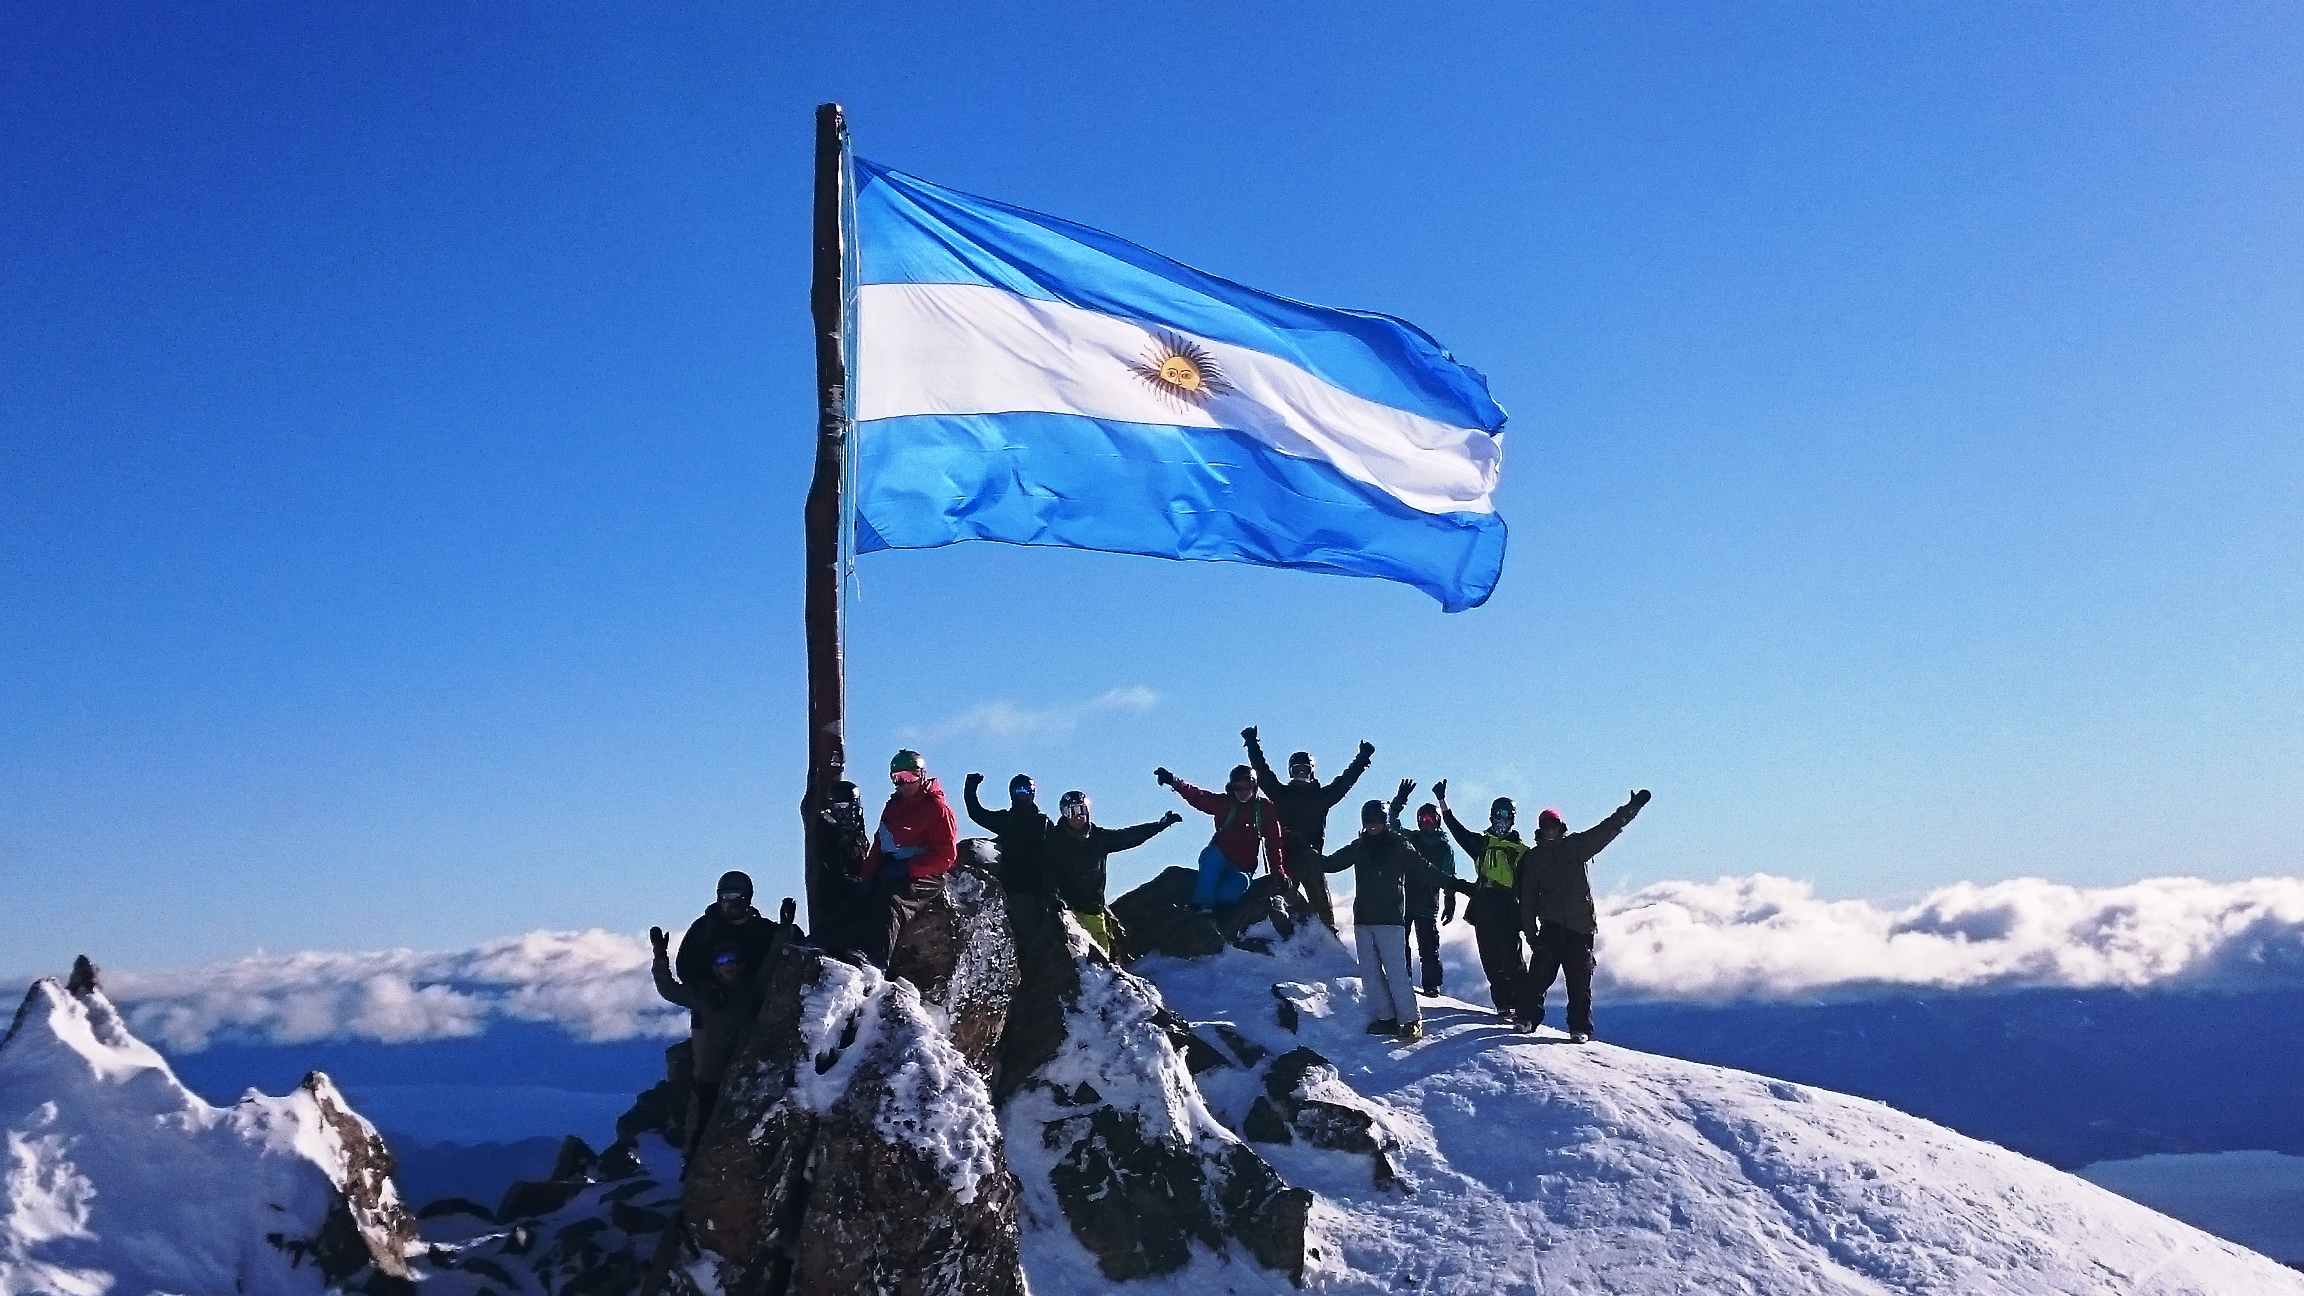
{"x": 826, "y": 511}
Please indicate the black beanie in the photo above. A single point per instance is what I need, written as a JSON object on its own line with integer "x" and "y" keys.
{"x": 1371, "y": 811}
{"x": 732, "y": 880}
{"x": 1241, "y": 774}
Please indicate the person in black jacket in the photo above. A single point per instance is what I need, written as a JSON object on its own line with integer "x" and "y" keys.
{"x": 730, "y": 922}
{"x": 1021, "y": 831}
{"x": 1078, "y": 851}
{"x": 1304, "y": 802}
{"x": 1495, "y": 902}
{"x": 1557, "y": 911}
{"x": 1383, "y": 865}
{"x": 1428, "y": 907}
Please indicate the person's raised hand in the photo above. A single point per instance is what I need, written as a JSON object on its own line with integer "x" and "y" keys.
{"x": 786, "y": 911}
{"x": 1171, "y": 819}
{"x": 975, "y": 781}
{"x": 1406, "y": 786}
{"x": 1640, "y": 798}
{"x": 1440, "y": 791}
{"x": 660, "y": 940}
{"x": 1162, "y": 777}
{"x": 1367, "y": 749}
{"x": 1248, "y": 734}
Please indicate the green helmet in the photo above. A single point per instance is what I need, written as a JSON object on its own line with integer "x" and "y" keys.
{"x": 907, "y": 759}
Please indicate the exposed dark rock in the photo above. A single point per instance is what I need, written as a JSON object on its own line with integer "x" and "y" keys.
{"x": 1248, "y": 1051}
{"x": 577, "y": 1159}
{"x": 531, "y": 1198}
{"x": 1135, "y": 1189}
{"x": 620, "y": 1161}
{"x": 456, "y": 1206}
{"x": 1299, "y": 1088}
{"x": 1265, "y": 1124}
{"x": 1159, "y": 918}
{"x": 367, "y": 1225}
{"x": 958, "y": 952}
{"x": 85, "y": 977}
{"x": 662, "y": 1109}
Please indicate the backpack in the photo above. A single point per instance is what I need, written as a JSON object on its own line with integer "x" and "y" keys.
{"x": 1500, "y": 861}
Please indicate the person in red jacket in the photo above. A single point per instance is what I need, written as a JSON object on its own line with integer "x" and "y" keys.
{"x": 917, "y": 844}
{"x": 1243, "y": 819}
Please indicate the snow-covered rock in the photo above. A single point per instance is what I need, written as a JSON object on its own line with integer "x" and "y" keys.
{"x": 120, "y": 1181}
{"x": 1524, "y": 1163}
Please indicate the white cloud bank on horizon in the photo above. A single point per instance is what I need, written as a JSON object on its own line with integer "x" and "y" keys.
{"x": 1006, "y": 720}
{"x": 1757, "y": 937}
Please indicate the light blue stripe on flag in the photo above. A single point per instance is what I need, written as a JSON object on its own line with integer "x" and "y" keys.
{"x": 1029, "y": 380}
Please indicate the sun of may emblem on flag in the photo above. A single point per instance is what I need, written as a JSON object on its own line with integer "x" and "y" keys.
{"x": 1181, "y": 369}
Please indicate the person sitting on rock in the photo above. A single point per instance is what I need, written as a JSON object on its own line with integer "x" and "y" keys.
{"x": 722, "y": 1003}
{"x": 917, "y": 844}
{"x": 1383, "y": 864}
{"x": 1304, "y": 803}
{"x": 729, "y": 922}
{"x": 1556, "y": 909}
{"x": 1021, "y": 832}
{"x": 1495, "y": 903}
{"x": 1243, "y": 819}
{"x": 1078, "y": 851}
{"x": 1428, "y": 906}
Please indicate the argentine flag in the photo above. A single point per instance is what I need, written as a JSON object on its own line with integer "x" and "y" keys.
{"x": 1025, "y": 379}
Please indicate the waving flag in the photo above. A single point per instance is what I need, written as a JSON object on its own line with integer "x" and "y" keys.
{"x": 1026, "y": 379}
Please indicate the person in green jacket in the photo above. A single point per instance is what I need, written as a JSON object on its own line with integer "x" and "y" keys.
{"x": 1077, "y": 852}
{"x": 1495, "y": 903}
{"x": 1383, "y": 866}
{"x": 1557, "y": 912}
{"x": 1428, "y": 906}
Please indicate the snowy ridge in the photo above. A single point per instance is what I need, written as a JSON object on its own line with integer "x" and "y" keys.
{"x": 1527, "y": 1164}
{"x": 120, "y": 1181}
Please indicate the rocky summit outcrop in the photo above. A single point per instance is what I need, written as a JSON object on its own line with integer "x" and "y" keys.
{"x": 122, "y": 1180}
{"x": 1159, "y": 917}
{"x": 854, "y": 1147}
{"x": 1108, "y": 1134}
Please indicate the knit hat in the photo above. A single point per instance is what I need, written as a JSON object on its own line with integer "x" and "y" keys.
{"x": 907, "y": 759}
{"x": 1371, "y": 811}
{"x": 732, "y": 880}
{"x": 1549, "y": 816}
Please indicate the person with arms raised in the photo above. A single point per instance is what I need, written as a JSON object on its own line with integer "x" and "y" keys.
{"x": 1243, "y": 821}
{"x": 1304, "y": 803}
{"x": 1495, "y": 903}
{"x": 1021, "y": 831}
{"x": 1078, "y": 852}
{"x": 1429, "y": 905}
{"x": 1557, "y": 912}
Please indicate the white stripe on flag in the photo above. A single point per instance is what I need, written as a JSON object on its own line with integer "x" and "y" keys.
{"x": 972, "y": 349}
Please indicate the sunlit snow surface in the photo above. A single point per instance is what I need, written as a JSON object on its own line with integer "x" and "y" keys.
{"x": 1535, "y": 1165}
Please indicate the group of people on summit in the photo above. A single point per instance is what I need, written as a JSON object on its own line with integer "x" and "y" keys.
{"x": 1529, "y": 901}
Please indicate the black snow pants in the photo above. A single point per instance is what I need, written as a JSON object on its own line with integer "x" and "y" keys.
{"x": 1425, "y": 929}
{"x": 1315, "y": 883}
{"x": 1496, "y": 924}
{"x": 898, "y": 904}
{"x": 1558, "y": 949}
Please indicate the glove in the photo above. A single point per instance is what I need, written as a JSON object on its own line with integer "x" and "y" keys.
{"x": 1162, "y": 777}
{"x": 975, "y": 781}
{"x": 1248, "y": 734}
{"x": 1367, "y": 749}
{"x": 1440, "y": 791}
{"x": 1406, "y": 786}
{"x": 785, "y": 911}
{"x": 661, "y": 941}
{"x": 1639, "y": 799}
{"x": 1171, "y": 819}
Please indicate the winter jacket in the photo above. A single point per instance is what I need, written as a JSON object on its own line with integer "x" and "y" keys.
{"x": 718, "y": 1015}
{"x": 1495, "y": 856}
{"x": 1382, "y": 864}
{"x": 922, "y": 831}
{"x": 1304, "y": 807}
{"x": 1239, "y": 825}
{"x": 1076, "y": 861}
{"x": 1556, "y": 876}
{"x": 1432, "y": 844}
{"x": 1023, "y": 839}
{"x": 714, "y": 930}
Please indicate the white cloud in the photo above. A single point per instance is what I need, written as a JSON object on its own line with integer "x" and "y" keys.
{"x": 1757, "y": 937}
{"x": 593, "y": 984}
{"x": 1766, "y": 937}
{"x": 1003, "y": 719}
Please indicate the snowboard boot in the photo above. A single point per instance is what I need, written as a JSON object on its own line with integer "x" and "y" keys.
{"x": 1412, "y": 1032}
{"x": 1580, "y": 1037}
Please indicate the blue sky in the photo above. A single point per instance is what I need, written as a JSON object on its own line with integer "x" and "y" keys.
{"x": 405, "y": 416}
